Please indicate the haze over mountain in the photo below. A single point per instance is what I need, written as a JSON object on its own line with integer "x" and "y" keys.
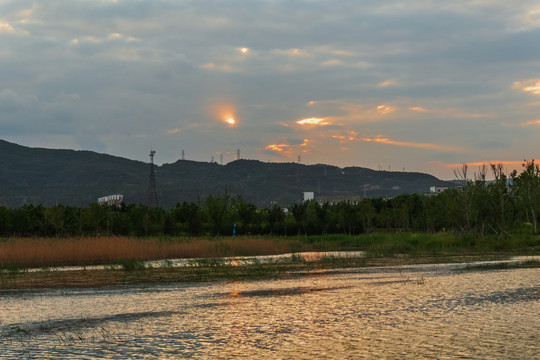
{"x": 78, "y": 178}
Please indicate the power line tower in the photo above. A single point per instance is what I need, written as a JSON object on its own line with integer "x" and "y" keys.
{"x": 237, "y": 154}
{"x": 152, "y": 191}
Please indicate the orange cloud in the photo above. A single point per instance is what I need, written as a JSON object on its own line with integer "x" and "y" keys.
{"x": 312, "y": 121}
{"x": 350, "y": 136}
{"x": 387, "y": 83}
{"x": 480, "y": 163}
{"x": 385, "y": 109}
{"x": 529, "y": 123}
{"x": 530, "y": 85}
{"x": 428, "y": 146}
{"x": 278, "y": 148}
{"x": 418, "y": 108}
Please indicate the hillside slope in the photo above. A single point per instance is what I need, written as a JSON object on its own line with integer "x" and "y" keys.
{"x": 78, "y": 178}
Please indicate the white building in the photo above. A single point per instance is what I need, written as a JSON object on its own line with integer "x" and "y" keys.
{"x": 309, "y": 195}
{"x": 437, "y": 189}
{"x": 111, "y": 200}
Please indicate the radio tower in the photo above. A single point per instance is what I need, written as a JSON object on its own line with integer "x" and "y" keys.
{"x": 152, "y": 191}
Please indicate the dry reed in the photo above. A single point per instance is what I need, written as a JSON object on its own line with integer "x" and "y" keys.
{"x": 45, "y": 252}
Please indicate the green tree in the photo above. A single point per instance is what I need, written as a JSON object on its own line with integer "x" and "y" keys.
{"x": 217, "y": 208}
{"x": 55, "y": 217}
{"x": 275, "y": 216}
{"x": 526, "y": 187}
{"x": 499, "y": 196}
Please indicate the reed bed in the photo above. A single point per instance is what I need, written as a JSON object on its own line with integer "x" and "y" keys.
{"x": 47, "y": 252}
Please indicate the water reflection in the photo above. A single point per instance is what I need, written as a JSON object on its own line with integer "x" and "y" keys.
{"x": 393, "y": 313}
{"x": 282, "y": 292}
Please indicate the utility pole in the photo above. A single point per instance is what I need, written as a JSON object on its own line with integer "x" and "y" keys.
{"x": 152, "y": 190}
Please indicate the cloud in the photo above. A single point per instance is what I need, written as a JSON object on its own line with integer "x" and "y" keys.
{"x": 129, "y": 73}
{"x": 6, "y": 28}
{"x": 385, "y": 109}
{"x": 215, "y": 67}
{"x": 11, "y": 101}
{"x": 333, "y": 62}
{"x": 281, "y": 150}
{"x": 530, "y": 123}
{"x": 417, "y": 145}
{"x": 349, "y": 136}
{"x": 313, "y": 121}
{"x": 530, "y": 85}
{"x": 418, "y": 108}
{"x": 387, "y": 83}
{"x": 295, "y": 141}
{"x": 291, "y": 52}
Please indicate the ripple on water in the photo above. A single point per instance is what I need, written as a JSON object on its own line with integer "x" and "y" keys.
{"x": 380, "y": 314}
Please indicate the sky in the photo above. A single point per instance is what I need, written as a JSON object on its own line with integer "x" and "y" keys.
{"x": 412, "y": 85}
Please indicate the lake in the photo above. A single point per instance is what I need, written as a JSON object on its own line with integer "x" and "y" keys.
{"x": 415, "y": 312}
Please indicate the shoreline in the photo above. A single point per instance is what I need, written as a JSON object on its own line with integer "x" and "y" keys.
{"x": 222, "y": 269}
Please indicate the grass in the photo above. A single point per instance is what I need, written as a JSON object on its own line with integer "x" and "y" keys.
{"x": 47, "y": 252}
{"x": 124, "y": 256}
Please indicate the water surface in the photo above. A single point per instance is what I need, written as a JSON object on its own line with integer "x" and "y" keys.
{"x": 393, "y": 313}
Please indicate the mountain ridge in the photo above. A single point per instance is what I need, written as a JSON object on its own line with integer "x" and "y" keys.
{"x": 78, "y": 177}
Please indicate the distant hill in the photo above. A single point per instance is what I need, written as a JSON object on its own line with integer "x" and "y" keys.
{"x": 78, "y": 178}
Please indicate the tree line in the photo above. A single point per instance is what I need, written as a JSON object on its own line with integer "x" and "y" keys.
{"x": 507, "y": 203}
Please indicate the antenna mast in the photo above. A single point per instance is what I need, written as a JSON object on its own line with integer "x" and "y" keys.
{"x": 152, "y": 191}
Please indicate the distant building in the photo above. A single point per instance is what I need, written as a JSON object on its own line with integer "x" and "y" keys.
{"x": 309, "y": 195}
{"x": 335, "y": 199}
{"x": 437, "y": 189}
{"x": 112, "y": 200}
{"x": 332, "y": 198}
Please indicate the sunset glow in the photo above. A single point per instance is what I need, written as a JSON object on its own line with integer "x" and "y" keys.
{"x": 529, "y": 123}
{"x": 510, "y": 163}
{"x": 417, "y": 145}
{"x": 312, "y": 121}
{"x": 383, "y": 79}
{"x": 531, "y": 85}
{"x": 385, "y": 109}
{"x": 277, "y": 147}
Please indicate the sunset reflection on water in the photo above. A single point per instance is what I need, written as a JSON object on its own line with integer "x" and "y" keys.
{"x": 362, "y": 313}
